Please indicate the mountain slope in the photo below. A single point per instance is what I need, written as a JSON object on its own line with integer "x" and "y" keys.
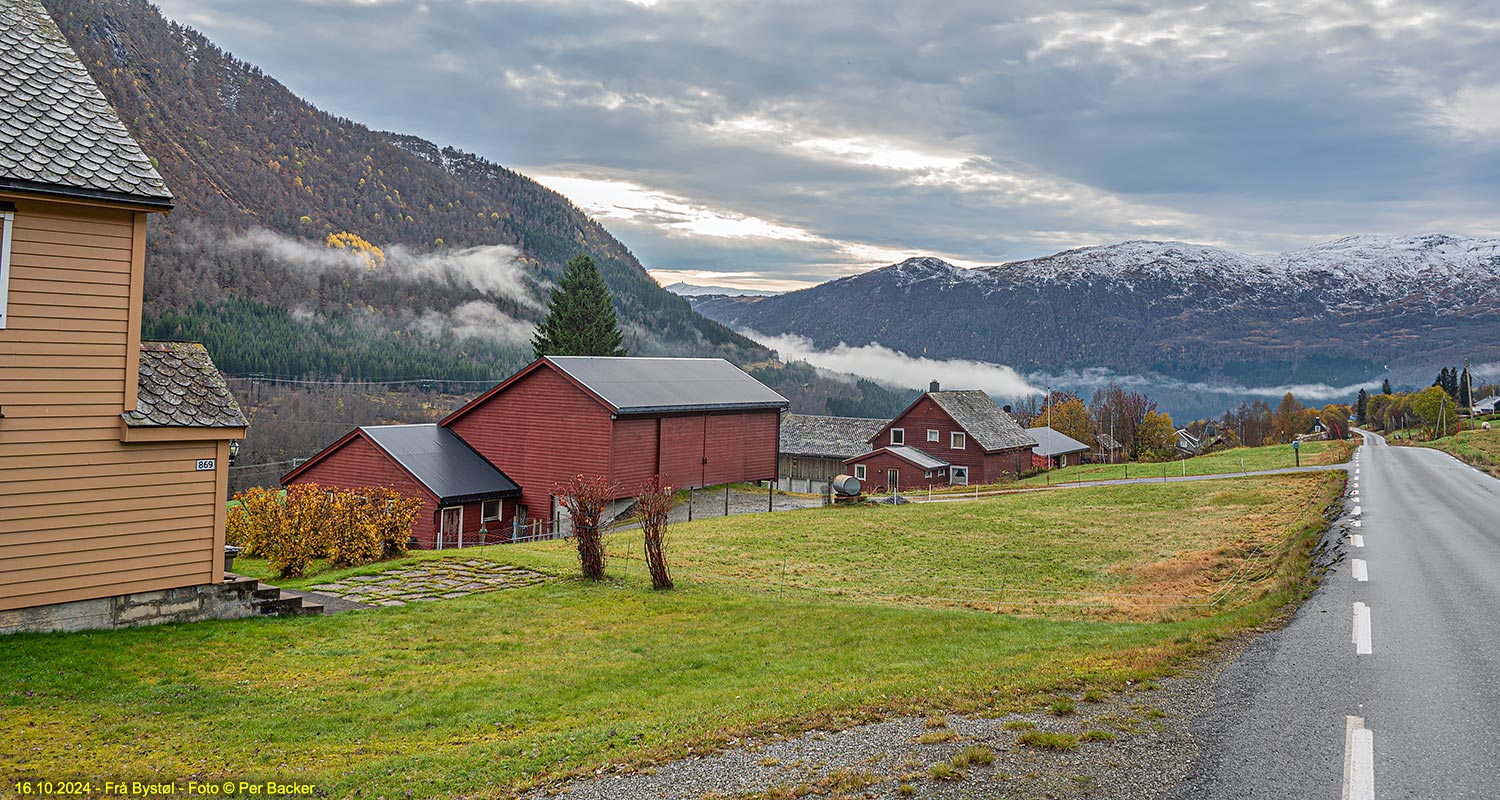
{"x": 244, "y": 156}
{"x": 1337, "y": 313}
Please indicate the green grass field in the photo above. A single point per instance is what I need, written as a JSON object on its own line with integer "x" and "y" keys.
{"x": 1224, "y": 462}
{"x": 487, "y": 694}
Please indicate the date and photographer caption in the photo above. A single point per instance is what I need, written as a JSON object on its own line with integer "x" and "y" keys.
{"x": 226, "y": 788}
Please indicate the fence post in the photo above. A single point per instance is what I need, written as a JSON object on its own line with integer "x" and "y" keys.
{"x": 726, "y": 499}
{"x": 770, "y": 498}
{"x": 690, "y": 504}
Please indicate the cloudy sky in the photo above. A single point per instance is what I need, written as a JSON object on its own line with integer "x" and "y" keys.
{"x": 770, "y": 144}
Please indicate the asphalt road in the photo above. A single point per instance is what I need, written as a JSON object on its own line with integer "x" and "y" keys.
{"x": 1405, "y": 706}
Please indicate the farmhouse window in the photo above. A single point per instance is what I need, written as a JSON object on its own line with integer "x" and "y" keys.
{"x": 898, "y": 436}
{"x": 927, "y": 474}
{"x": 489, "y": 511}
{"x": 933, "y": 435}
{"x": 960, "y": 476}
{"x": 958, "y": 440}
{"x": 859, "y": 471}
{"x": 7, "y": 218}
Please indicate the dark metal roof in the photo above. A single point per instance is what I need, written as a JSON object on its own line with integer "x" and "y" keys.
{"x": 986, "y": 423}
{"x": 57, "y": 132}
{"x": 444, "y": 463}
{"x": 180, "y": 387}
{"x": 1107, "y": 442}
{"x": 827, "y": 437}
{"x": 1051, "y": 443}
{"x": 663, "y": 385}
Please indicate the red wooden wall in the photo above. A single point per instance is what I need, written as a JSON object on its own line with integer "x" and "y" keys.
{"x": 911, "y": 476}
{"x": 541, "y": 431}
{"x": 358, "y": 464}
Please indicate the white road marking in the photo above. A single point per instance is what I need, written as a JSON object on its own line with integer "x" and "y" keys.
{"x": 1361, "y": 629}
{"x": 1358, "y": 541}
{"x": 1360, "y": 570}
{"x": 1359, "y": 523}
{"x": 1358, "y": 511}
{"x": 1359, "y": 760}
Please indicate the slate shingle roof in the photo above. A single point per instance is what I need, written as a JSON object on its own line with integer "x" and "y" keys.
{"x": 56, "y": 128}
{"x": 181, "y": 387}
{"x": 986, "y": 423}
{"x": 827, "y": 437}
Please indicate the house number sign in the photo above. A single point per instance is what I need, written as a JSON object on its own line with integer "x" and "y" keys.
{"x": 204, "y": 465}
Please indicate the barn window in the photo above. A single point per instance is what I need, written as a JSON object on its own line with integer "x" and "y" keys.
{"x": 958, "y": 440}
{"x": 927, "y": 474}
{"x": 933, "y": 435}
{"x": 960, "y": 476}
{"x": 898, "y": 436}
{"x": 859, "y": 471}
{"x": 7, "y": 218}
{"x": 489, "y": 511}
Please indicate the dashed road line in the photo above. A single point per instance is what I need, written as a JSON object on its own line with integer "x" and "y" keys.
{"x": 1361, "y": 634}
{"x": 1360, "y": 570}
{"x": 1359, "y": 760}
{"x": 1357, "y": 540}
{"x": 1358, "y": 511}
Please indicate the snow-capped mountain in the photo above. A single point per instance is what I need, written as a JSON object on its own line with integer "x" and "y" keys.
{"x": 1342, "y": 312}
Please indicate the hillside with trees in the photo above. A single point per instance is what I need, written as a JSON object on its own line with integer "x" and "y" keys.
{"x": 271, "y": 192}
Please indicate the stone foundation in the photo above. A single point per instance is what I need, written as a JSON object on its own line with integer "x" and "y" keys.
{"x": 230, "y": 600}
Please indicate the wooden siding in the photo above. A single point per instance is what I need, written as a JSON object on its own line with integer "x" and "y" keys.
{"x": 912, "y": 477}
{"x": 637, "y": 446}
{"x": 925, "y": 415}
{"x": 682, "y": 443}
{"x": 83, "y": 515}
{"x": 809, "y": 468}
{"x": 1004, "y": 465}
{"x": 359, "y": 464}
{"x": 541, "y": 431}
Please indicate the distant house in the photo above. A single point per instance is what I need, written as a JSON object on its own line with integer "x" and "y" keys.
{"x": 814, "y": 448}
{"x": 1110, "y": 449}
{"x": 1187, "y": 444}
{"x": 1054, "y": 449}
{"x": 114, "y": 452}
{"x": 467, "y": 501}
{"x": 1487, "y": 405}
{"x": 960, "y": 437}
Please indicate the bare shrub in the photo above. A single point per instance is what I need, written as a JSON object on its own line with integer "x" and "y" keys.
{"x": 653, "y": 503}
{"x": 585, "y": 498}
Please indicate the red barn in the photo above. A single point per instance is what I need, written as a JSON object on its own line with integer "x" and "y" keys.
{"x": 964, "y": 430}
{"x": 463, "y": 493}
{"x": 695, "y": 421}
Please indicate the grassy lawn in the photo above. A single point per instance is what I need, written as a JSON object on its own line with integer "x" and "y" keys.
{"x": 1224, "y": 462}
{"x": 486, "y": 694}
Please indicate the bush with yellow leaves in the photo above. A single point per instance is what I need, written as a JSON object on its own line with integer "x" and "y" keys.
{"x": 312, "y": 522}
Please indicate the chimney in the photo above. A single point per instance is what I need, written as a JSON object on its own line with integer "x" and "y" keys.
{"x": 1006, "y": 409}
{"x": 932, "y": 387}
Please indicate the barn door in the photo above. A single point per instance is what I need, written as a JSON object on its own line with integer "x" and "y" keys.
{"x": 892, "y": 479}
{"x": 451, "y": 528}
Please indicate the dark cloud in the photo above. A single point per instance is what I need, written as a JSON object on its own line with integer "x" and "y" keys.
{"x": 806, "y": 140}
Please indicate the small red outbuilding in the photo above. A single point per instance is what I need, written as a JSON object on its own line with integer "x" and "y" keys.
{"x": 467, "y": 501}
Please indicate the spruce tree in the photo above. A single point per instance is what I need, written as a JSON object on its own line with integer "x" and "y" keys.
{"x": 580, "y": 317}
{"x": 1385, "y": 386}
{"x": 1362, "y": 405}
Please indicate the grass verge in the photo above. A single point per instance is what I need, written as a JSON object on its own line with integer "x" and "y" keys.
{"x": 488, "y": 694}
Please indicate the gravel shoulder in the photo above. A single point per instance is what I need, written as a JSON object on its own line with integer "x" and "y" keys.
{"x": 1143, "y": 747}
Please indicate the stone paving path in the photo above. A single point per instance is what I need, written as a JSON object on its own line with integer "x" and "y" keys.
{"x": 444, "y": 579}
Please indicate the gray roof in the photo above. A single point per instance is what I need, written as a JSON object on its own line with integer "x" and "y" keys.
{"x": 828, "y": 437}
{"x": 984, "y": 420}
{"x": 659, "y": 385}
{"x": 1051, "y": 443}
{"x": 56, "y": 129}
{"x": 1488, "y": 402}
{"x": 1107, "y": 442}
{"x": 442, "y": 462}
{"x": 921, "y": 458}
{"x": 180, "y": 387}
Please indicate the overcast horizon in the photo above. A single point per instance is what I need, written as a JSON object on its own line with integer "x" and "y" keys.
{"x": 778, "y": 145}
